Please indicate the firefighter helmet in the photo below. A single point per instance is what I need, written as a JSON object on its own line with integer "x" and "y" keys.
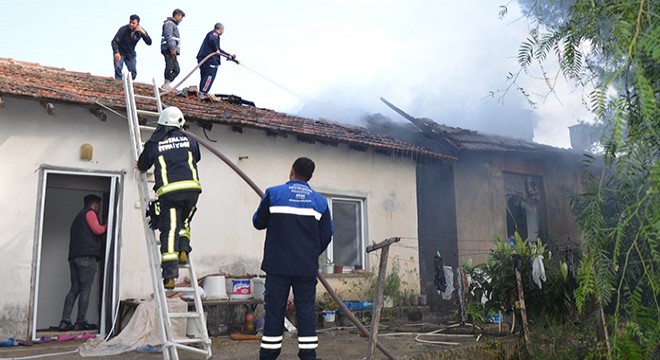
{"x": 171, "y": 116}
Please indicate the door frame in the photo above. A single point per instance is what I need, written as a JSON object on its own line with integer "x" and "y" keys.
{"x": 113, "y": 243}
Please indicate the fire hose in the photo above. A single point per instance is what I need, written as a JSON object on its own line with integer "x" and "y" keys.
{"x": 320, "y": 276}
{"x": 230, "y": 58}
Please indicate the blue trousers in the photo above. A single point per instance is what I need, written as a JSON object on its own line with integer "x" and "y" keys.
{"x": 275, "y": 299}
{"x": 131, "y": 65}
{"x": 83, "y": 269}
{"x": 208, "y": 72}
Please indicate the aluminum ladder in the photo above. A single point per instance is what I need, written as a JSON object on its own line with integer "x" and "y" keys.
{"x": 171, "y": 345}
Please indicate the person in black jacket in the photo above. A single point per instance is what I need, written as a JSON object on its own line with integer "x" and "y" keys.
{"x": 123, "y": 46}
{"x": 169, "y": 46}
{"x": 299, "y": 228}
{"x": 175, "y": 157}
{"x": 84, "y": 253}
{"x": 211, "y": 45}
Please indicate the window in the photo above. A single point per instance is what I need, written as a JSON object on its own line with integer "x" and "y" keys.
{"x": 523, "y": 204}
{"x": 347, "y": 246}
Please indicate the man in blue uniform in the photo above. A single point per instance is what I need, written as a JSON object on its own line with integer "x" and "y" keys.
{"x": 175, "y": 157}
{"x": 211, "y": 45}
{"x": 123, "y": 46}
{"x": 299, "y": 229}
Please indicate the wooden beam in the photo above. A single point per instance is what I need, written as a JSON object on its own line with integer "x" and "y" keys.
{"x": 386, "y": 242}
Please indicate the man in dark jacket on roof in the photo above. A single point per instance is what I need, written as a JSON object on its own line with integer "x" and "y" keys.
{"x": 123, "y": 46}
{"x": 299, "y": 230}
{"x": 169, "y": 46}
{"x": 84, "y": 253}
{"x": 211, "y": 45}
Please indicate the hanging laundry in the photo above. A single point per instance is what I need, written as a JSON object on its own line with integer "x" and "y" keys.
{"x": 449, "y": 277}
{"x": 538, "y": 271}
{"x": 439, "y": 278}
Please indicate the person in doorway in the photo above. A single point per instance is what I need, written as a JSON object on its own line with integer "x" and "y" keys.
{"x": 211, "y": 45}
{"x": 123, "y": 46}
{"x": 169, "y": 46}
{"x": 175, "y": 157}
{"x": 84, "y": 253}
{"x": 299, "y": 228}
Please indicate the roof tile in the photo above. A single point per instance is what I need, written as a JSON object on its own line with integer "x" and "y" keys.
{"x": 48, "y": 83}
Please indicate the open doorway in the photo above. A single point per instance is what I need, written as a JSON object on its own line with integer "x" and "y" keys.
{"x": 62, "y": 193}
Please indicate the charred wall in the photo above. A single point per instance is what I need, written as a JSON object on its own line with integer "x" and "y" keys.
{"x": 436, "y": 216}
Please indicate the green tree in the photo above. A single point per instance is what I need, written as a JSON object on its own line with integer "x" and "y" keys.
{"x": 613, "y": 45}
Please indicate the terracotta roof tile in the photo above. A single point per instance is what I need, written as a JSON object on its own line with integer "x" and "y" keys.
{"x": 48, "y": 83}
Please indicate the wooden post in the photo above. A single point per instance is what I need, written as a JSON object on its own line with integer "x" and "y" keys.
{"x": 521, "y": 297}
{"x": 380, "y": 285}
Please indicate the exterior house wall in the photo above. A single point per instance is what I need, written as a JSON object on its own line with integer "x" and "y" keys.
{"x": 481, "y": 199}
{"x": 480, "y": 205}
{"x": 562, "y": 179}
{"x": 223, "y": 238}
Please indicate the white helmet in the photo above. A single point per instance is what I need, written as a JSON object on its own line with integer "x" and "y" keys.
{"x": 171, "y": 116}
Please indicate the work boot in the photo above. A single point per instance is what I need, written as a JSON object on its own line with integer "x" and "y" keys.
{"x": 168, "y": 284}
{"x": 166, "y": 85}
{"x": 65, "y": 325}
{"x": 183, "y": 257}
{"x": 84, "y": 325}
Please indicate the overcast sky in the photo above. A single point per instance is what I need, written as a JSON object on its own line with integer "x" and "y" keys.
{"x": 334, "y": 59}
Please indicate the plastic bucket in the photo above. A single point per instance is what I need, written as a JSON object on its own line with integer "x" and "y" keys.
{"x": 240, "y": 289}
{"x": 329, "y": 316}
{"x": 259, "y": 288}
{"x": 215, "y": 287}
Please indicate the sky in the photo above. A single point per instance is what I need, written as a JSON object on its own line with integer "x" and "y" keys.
{"x": 331, "y": 59}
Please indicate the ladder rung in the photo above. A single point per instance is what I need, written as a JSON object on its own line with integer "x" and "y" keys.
{"x": 188, "y": 341}
{"x": 147, "y": 113}
{"x": 181, "y": 289}
{"x": 187, "y": 315}
{"x": 192, "y": 349}
{"x": 146, "y": 97}
{"x": 145, "y": 127}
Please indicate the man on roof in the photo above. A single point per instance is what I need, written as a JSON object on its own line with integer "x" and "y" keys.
{"x": 169, "y": 46}
{"x": 123, "y": 46}
{"x": 211, "y": 45}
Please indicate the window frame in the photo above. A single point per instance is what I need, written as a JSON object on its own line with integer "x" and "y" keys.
{"x": 362, "y": 258}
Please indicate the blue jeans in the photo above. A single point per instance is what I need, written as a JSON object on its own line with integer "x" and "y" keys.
{"x": 131, "y": 65}
{"x": 83, "y": 269}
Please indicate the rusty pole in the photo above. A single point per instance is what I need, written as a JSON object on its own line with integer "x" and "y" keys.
{"x": 320, "y": 276}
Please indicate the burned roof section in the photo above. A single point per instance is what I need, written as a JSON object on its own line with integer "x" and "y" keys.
{"x": 55, "y": 84}
{"x": 457, "y": 139}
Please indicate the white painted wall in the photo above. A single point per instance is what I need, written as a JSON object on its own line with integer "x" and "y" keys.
{"x": 223, "y": 236}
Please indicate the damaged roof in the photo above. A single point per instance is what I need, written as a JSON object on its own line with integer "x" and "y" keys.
{"x": 471, "y": 140}
{"x": 56, "y": 84}
{"x": 457, "y": 139}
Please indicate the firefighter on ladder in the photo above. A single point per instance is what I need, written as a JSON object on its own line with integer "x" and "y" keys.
{"x": 175, "y": 157}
